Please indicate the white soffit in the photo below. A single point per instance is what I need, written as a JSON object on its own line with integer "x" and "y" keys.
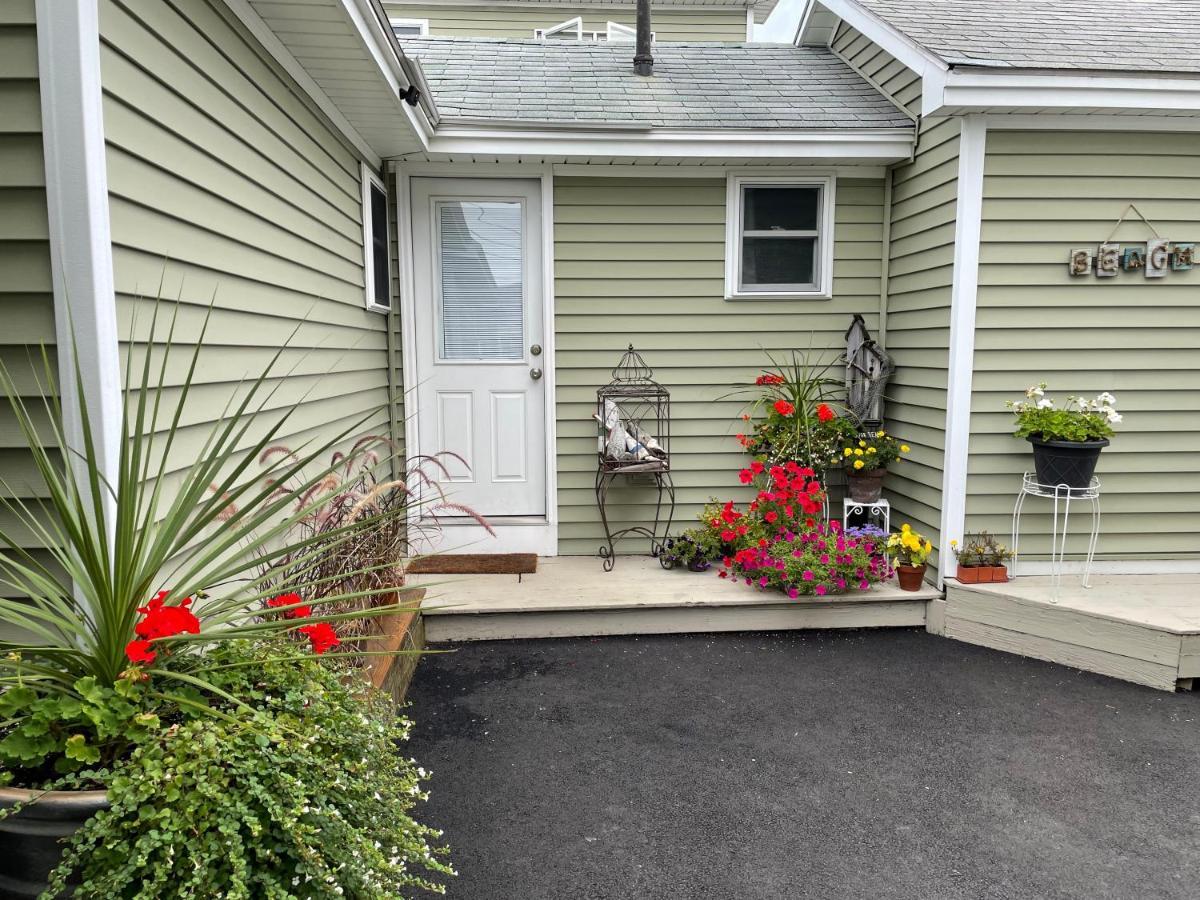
{"x": 347, "y": 49}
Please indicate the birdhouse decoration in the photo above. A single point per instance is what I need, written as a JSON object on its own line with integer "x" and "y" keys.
{"x": 634, "y": 416}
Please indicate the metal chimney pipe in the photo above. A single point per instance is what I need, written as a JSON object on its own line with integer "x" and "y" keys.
{"x": 643, "y": 61}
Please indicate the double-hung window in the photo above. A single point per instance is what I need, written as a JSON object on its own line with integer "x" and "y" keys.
{"x": 779, "y": 237}
{"x": 376, "y": 245}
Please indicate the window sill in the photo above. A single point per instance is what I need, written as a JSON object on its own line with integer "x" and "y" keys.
{"x": 786, "y": 295}
{"x": 376, "y": 308}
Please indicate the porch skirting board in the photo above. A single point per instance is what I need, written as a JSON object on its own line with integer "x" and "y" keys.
{"x": 1144, "y": 640}
{"x": 447, "y": 626}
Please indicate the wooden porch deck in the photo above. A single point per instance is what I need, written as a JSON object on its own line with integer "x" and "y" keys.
{"x": 572, "y": 596}
{"x": 1140, "y": 628}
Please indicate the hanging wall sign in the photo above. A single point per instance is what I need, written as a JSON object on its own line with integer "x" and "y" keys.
{"x": 1153, "y": 259}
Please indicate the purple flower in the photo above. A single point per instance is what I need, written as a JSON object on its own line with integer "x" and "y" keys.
{"x": 821, "y": 590}
{"x": 807, "y": 575}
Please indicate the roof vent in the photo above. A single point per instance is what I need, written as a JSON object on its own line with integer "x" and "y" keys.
{"x": 643, "y": 61}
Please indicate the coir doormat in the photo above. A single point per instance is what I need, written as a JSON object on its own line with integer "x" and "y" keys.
{"x": 475, "y": 564}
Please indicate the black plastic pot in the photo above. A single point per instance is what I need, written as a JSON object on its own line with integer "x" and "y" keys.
{"x": 32, "y": 838}
{"x": 1072, "y": 463}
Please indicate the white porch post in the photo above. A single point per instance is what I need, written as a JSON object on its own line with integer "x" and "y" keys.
{"x": 80, "y": 239}
{"x": 968, "y": 219}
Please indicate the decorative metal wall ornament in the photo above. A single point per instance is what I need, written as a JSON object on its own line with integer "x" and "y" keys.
{"x": 633, "y": 412}
{"x": 1154, "y": 258}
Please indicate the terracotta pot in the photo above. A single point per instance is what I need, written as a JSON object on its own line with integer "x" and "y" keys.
{"x": 970, "y": 574}
{"x": 999, "y": 574}
{"x": 32, "y": 837}
{"x": 865, "y": 485}
{"x": 911, "y": 578}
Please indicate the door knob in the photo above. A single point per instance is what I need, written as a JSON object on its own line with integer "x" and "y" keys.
{"x": 536, "y": 349}
{"x": 535, "y": 374}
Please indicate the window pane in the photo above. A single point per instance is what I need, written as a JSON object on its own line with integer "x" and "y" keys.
{"x": 479, "y": 244}
{"x": 780, "y": 208}
{"x": 381, "y": 277}
{"x": 406, "y": 30}
{"x": 772, "y": 264}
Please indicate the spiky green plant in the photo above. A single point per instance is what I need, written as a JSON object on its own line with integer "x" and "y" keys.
{"x": 217, "y": 531}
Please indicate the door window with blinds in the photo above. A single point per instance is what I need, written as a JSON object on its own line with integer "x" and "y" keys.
{"x": 779, "y": 237}
{"x": 479, "y": 274}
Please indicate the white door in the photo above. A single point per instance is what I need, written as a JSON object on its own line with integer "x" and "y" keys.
{"x": 477, "y": 262}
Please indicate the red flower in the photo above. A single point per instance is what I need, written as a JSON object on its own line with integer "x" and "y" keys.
{"x": 746, "y": 476}
{"x": 300, "y": 612}
{"x": 140, "y": 652}
{"x": 162, "y": 621}
{"x": 772, "y": 516}
{"x": 768, "y": 379}
{"x": 322, "y": 636}
{"x": 824, "y": 413}
{"x": 756, "y": 467}
{"x": 784, "y": 408}
{"x": 728, "y": 536}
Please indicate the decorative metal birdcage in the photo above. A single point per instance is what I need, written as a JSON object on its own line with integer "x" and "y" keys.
{"x": 633, "y": 412}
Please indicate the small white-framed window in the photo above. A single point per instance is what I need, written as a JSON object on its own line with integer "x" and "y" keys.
{"x": 618, "y": 32}
{"x": 403, "y": 28}
{"x": 779, "y": 236}
{"x": 377, "y": 263}
{"x": 570, "y": 30}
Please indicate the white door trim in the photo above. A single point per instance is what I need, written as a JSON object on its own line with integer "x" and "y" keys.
{"x": 81, "y": 261}
{"x": 535, "y": 535}
{"x": 967, "y": 230}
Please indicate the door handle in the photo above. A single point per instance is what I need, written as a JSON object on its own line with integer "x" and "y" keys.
{"x": 535, "y": 374}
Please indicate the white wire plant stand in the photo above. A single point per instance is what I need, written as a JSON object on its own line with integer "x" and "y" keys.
{"x": 1062, "y": 496}
{"x": 878, "y": 512}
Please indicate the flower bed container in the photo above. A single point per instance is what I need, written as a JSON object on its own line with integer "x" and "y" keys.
{"x": 32, "y": 838}
{"x": 1072, "y": 463}
{"x": 865, "y": 486}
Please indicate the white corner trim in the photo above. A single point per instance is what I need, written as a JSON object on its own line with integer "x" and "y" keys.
{"x": 749, "y": 23}
{"x": 548, "y": 356}
{"x": 85, "y": 311}
{"x": 270, "y": 42}
{"x": 891, "y": 39}
{"x": 735, "y": 179}
{"x": 368, "y": 178}
{"x": 967, "y": 229}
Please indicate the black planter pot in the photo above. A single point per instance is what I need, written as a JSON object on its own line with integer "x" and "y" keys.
{"x": 699, "y": 565}
{"x": 32, "y": 838}
{"x": 1072, "y": 463}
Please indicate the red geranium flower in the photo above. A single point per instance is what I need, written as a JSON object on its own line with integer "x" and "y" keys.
{"x": 140, "y": 652}
{"x": 300, "y": 612}
{"x": 784, "y": 408}
{"x": 746, "y": 476}
{"x": 756, "y": 467}
{"x": 161, "y": 621}
{"x": 322, "y": 636}
{"x": 824, "y": 413}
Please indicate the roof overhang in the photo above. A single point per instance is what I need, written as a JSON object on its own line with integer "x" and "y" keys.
{"x": 974, "y": 89}
{"x": 456, "y": 138}
{"x": 344, "y": 55}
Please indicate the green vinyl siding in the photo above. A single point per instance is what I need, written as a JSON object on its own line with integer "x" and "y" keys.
{"x": 887, "y": 73}
{"x": 1045, "y": 193}
{"x": 225, "y": 186}
{"x": 641, "y": 260}
{"x": 26, "y": 299}
{"x": 505, "y": 21}
{"x": 920, "y": 275}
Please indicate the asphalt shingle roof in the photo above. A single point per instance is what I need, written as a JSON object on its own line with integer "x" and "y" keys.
{"x": 695, "y": 85}
{"x": 1116, "y": 35}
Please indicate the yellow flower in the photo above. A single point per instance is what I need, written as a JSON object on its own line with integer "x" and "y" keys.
{"x": 870, "y": 450}
{"x": 904, "y": 448}
{"x": 906, "y": 527}
{"x": 858, "y": 453}
{"x": 858, "y": 464}
{"x": 954, "y": 543}
{"x": 928, "y": 547}
{"x": 862, "y": 443}
{"x": 849, "y": 452}
{"x": 879, "y": 434}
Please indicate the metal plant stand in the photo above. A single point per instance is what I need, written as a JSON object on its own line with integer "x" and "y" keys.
{"x": 1063, "y": 496}
{"x": 880, "y": 511}
{"x": 634, "y": 416}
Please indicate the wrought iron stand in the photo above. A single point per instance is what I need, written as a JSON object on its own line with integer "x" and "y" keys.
{"x": 666, "y": 489}
{"x": 634, "y": 414}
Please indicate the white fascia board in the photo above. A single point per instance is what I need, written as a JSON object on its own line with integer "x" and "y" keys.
{"x": 883, "y": 146}
{"x": 1061, "y": 121}
{"x": 81, "y": 263}
{"x": 875, "y": 29}
{"x": 961, "y": 367}
{"x": 376, "y": 35}
{"x": 270, "y": 41}
{"x": 966, "y": 89}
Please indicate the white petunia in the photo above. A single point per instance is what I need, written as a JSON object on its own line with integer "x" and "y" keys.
{"x": 1114, "y": 418}
{"x": 1106, "y": 398}
{"x": 1045, "y": 403}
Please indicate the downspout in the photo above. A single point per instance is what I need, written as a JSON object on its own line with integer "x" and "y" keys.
{"x": 885, "y": 256}
{"x": 643, "y": 60}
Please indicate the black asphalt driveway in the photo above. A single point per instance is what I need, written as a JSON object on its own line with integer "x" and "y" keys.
{"x": 883, "y": 764}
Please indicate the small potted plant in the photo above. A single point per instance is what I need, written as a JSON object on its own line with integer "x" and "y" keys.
{"x": 1066, "y": 440}
{"x": 866, "y": 458}
{"x": 981, "y": 559}
{"x": 695, "y": 548}
{"x": 910, "y": 553}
